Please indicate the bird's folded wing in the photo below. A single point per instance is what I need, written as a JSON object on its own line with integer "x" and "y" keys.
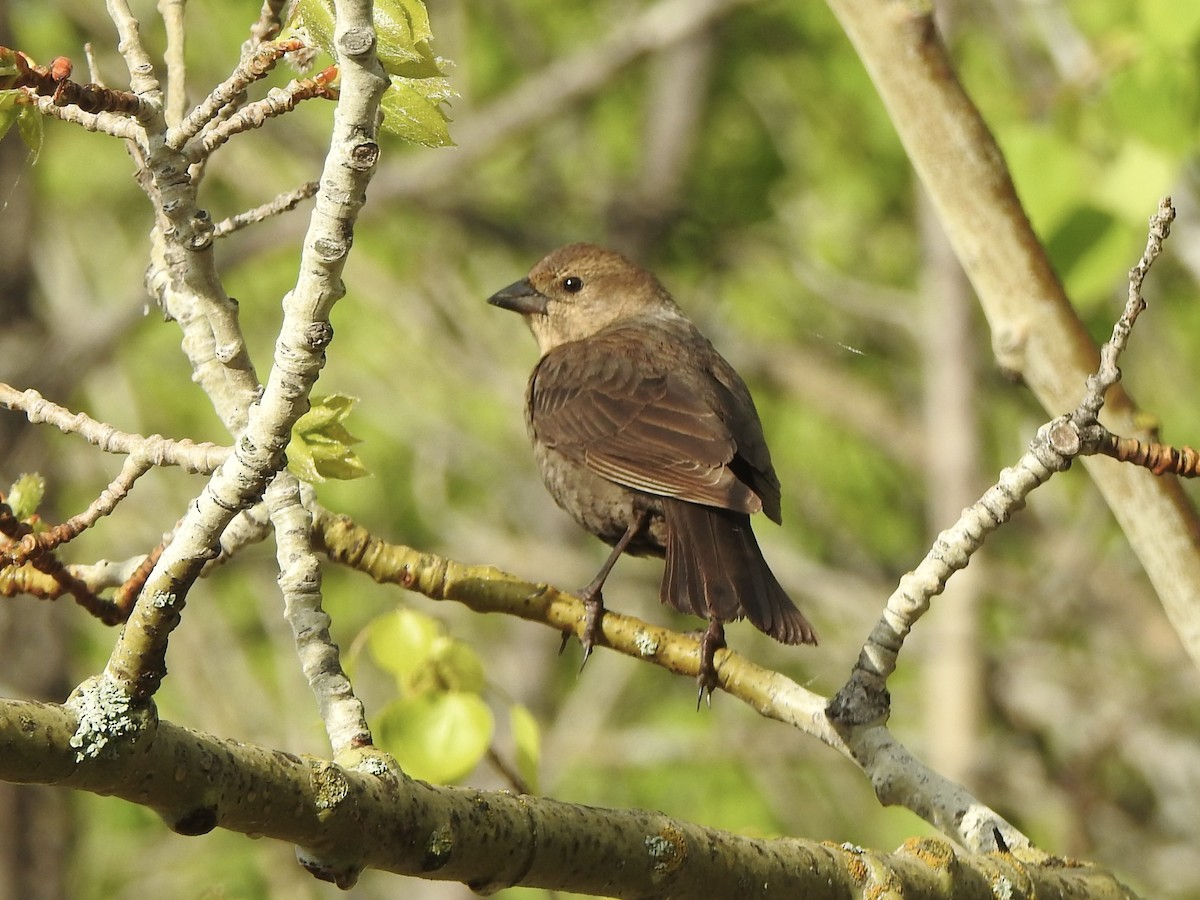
{"x": 643, "y": 427}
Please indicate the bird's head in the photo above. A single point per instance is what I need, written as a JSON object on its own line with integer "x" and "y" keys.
{"x": 580, "y": 289}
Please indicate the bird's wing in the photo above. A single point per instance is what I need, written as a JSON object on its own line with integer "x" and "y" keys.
{"x": 638, "y": 423}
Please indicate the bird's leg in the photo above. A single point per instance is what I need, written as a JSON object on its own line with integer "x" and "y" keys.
{"x": 593, "y": 599}
{"x": 712, "y": 641}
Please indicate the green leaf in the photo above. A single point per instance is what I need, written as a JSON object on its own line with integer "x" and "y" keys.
{"x": 402, "y": 643}
{"x": 412, "y": 107}
{"x": 9, "y": 111}
{"x": 15, "y": 108}
{"x": 528, "y": 740}
{"x": 25, "y": 496}
{"x": 456, "y": 666}
{"x": 29, "y": 123}
{"x": 402, "y": 35}
{"x": 320, "y": 446}
{"x": 315, "y": 17}
{"x": 415, "y": 648}
{"x": 412, "y": 110}
{"x": 436, "y": 737}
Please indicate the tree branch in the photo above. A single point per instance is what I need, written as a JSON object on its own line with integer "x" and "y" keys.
{"x": 361, "y": 812}
{"x": 1035, "y": 332}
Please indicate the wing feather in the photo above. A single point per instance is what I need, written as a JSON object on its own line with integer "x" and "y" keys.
{"x": 612, "y": 406}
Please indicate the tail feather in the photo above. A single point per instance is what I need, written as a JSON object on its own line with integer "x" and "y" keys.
{"x": 716, "y": 570}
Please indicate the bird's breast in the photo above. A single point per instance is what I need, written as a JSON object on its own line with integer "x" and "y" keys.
{"x": 602, "y": 507}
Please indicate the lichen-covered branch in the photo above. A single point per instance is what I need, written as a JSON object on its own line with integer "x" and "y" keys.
{"x": 361, "y": 813}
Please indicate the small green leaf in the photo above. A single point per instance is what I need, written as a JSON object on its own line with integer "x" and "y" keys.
{"x": 15, "y": 108}
{"x": 412, "y": 110}
{"x": 8, "y": 115}
{"x": 413, "y": 106}
{"x": 528, "y": 740}
{"x": 320, "y": 447}
{"x": 458, "y": 667}
{"x": 29, "y": 123}
{"x": 436, "y": 737}
{"x": 316, "y": 18}
{"x": 402, "y": 642}
{"x": 403, "y": 34}
{"x": 25, "y": 496}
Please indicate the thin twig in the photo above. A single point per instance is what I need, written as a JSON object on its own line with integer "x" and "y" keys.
{"x": 42, "y": 542}
{"x": 175, "y": 58}
{"x": 1109, "y": 373}
{"x": 300, "y": 581}
{"x": 202, "y": 458}
{"x": 109, "y": 123}
{"x": 268, "y": 25}
{"x": 864, "y": 698}
{"x": 15, "y": 579}
{"x": 277, "y": 102}
{"x": 285, "y": 202}
{"x": 130, "y": 46}
{"x": 225, "y": 96}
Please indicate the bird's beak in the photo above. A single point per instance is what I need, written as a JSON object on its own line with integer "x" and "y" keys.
{"x": 520, "y": 296}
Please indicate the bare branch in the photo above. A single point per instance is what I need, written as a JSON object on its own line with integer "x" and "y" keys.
{"x": 175, "y": 58}
{"x": 117, "y": 126}
{"x": 137, "y": 663}
{"x": 141, "y": 69}
{"x": 268, "y": 25}
{"x": 300, "y": 581}
{"x": 202, "y": 458}
{"x": 277, "y": 102}
{"x": 864, "y": 698}
{"x": 285, "y": 202}
{"x": 42, "y": 542}
{"x": 364, "y": 813}
{"x": 1035, "y": 332}
{"x": 229, "y": 93}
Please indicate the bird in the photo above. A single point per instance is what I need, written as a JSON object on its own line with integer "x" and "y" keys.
{"x": 650, "y": 440}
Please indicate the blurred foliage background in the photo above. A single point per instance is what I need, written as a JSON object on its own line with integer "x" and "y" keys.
{"x": 753, "y": 168}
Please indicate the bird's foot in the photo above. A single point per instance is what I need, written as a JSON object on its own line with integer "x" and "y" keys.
{"x": 712, "y": 641}
{"x": 593, "y": 621}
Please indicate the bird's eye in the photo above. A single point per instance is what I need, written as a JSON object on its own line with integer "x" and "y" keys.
{"x": 572, "y": 284}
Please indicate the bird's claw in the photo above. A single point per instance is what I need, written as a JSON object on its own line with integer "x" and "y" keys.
{"x": 593, "y": 621}
{"x": 706, "y": 677}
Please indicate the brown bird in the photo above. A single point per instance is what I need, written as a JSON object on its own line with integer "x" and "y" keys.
{"x": 650, "y": 440}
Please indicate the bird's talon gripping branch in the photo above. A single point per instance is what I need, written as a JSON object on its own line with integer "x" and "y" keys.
{"x": 706, "y": 678}
{"x": 593, "y": 623}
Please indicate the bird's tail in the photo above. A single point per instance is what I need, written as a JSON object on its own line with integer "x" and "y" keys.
{"x": 716, "y": 570}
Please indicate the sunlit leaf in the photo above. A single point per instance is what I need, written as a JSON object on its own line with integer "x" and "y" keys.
{"x": 457, "y": 666}
{"x": 320, "y": 447}
{"x": 25, "y": 496}
{"x": 402, "y": 642}
{"x": 10, "y": 111}
{"x": 29, "y": 123}
{"x": 412, "y": 107}
{"x": 436, "y": 737}
{"x": 413, "y": 110}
